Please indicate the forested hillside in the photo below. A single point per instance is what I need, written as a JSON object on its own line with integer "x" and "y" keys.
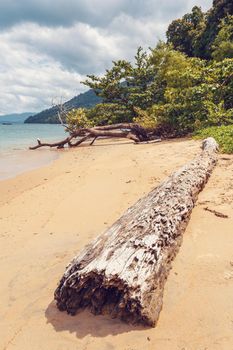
{"x": 85, "y": 100}
{"x": 15, "y": 117}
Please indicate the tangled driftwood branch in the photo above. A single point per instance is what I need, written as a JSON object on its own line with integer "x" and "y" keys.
{"x": 124, "y": 270}
{"x": 123, "y": 130}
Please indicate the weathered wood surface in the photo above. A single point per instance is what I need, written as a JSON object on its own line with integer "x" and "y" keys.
{"x": 124, "y": 270}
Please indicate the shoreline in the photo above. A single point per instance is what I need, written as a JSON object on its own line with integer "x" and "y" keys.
{"x": 15, "y": 139}
{"x": 47, "y": 215}
{"x": 14, "y": 162}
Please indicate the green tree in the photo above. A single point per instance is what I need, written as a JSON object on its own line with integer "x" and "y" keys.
{"x": 221, "y": 74}
{"x": 220, "y": 10}
{"x": 77, "y": 119}
{"x": 125, "y": 86}
{"x": 194, "y": 93}
{"x": 195, "y": 33}
{"x": 223, "y": 43}
{"x": 109, "y": 113}
{"x": 184, "y": 33}
{"x": 140, "y": 81}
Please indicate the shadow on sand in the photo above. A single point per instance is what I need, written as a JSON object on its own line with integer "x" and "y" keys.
{"x": 85, "y": 323}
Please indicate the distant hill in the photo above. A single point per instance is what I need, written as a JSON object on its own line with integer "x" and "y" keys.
{"x": 14, "y": 117}
{"x": 49, "y": 116}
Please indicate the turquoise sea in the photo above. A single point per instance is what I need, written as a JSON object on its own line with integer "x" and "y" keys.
{"x": 15, "y": 157}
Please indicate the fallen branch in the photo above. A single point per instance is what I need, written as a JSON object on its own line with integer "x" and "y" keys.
{"x": 149, "y": 142}
{"x": 59, "y": 144}
{"x": 217, "y": 213}
{"x": 124, "y": 270}
{"x": 124, "y": 130}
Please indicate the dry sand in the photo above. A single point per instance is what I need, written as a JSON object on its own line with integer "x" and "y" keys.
{"x": 49, "y": 214}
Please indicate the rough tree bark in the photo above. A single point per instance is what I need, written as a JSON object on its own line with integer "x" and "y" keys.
{"x": 124, "y": 130}
{"x": 124, "y": 270}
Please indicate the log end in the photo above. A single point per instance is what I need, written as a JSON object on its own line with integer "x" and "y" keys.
{"x": 104, "y": 295}
{"x": 209, "y": 144}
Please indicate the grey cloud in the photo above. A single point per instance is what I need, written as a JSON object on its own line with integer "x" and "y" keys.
{"x": 86, "y": 49}
{"x": 47, "y": 48}
{"x": 94, "y": 12}
{"x": 61, "y": 12}
{"x": 80, "y": 48}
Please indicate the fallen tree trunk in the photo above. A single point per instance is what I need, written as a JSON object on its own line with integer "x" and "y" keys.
{"x": 124, "y": 130}
{"x": 124, "y": 270}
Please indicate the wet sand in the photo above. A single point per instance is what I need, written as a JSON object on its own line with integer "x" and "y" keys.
{"x": 17, "y": 161}
{"x": 47, "y": 216}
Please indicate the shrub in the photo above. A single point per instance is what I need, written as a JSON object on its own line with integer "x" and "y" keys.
{"x": 77, "y": 118}
{"x": 144, "y": 119}
{"x": 222, "y": 134}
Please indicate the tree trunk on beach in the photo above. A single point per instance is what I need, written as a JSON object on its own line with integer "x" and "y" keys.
{"x": 123, "y": 272}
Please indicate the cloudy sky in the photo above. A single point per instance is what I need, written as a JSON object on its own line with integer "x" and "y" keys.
{"x": 47, "y": 47}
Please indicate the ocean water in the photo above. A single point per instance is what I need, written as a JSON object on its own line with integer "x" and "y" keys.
{"x": 15, "y": 139}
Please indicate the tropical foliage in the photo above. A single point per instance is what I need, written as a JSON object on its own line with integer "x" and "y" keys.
{"x": 223, "y": 43}
{"x": 178, "y": 87}
{"x": 195, "y": 33}
{"x": 77, "y": 118}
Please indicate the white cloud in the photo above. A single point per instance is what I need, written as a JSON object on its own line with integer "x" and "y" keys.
{"x": 80, "y": 47}
{"x": 30, "y": 81}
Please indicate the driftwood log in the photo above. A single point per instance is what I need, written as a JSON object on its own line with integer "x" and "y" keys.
{"x": 77, "y": 137}
{"x": 124, "y": 270}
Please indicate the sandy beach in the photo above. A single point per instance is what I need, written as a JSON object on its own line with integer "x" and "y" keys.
{"x": 49, "y": 214}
